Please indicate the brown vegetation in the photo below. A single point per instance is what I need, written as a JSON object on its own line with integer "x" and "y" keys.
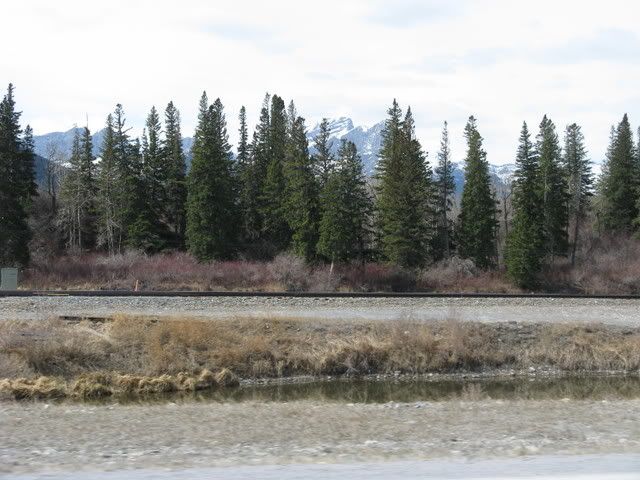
{"x": 180, "y": 271}
{"x": 604, "y": 265}
{"x": 145, "y": 355}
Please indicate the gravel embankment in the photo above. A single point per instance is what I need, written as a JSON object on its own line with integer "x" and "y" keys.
{"x": 73, "y": 437}
{"x": 620, "y": 312}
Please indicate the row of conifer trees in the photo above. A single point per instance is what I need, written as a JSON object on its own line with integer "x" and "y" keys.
{"x": 275, "y": 196}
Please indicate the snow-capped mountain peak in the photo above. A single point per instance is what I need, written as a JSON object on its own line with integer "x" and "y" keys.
{"x": 367, "y": 140}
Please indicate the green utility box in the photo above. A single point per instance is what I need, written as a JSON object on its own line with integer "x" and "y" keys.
{"x": 8, "y": 279}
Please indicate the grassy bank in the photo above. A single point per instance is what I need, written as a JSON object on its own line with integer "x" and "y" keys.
{"x": 128, "y": 355}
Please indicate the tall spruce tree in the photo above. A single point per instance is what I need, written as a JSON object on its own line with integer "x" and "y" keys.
{"x": 346, "y": 210}
{"x": 301, "y": 192}
{"x": 17, "y": 185}
{"x": 27, "y": 165}
{"x": 445, "y": 189}
{"x": 525, "y": 244}
{"x": 252, "y": 180}
{"x": 139, "y": 226}
{"x": 553, "y": 186}
{"x": 175, "y": 187}
{"x": 275, "y": 228}
{"x": 110, "y": 221}
{"x": 243, "y": 140}
{"x": 128, "y": 170}
{"x": 211, "y": 204}
{"x": 153, "y": 161}
{"x": 78, "y": 193}
{"x": 618, "y": 185}
{"x": 579, "y": 181}
{"x": 323, "y": 160}
{"x": 153, "y": 171}
{"x": 243, "y": 173}
{"x": 477, "y": 225}
{"x": 404, "y": 193}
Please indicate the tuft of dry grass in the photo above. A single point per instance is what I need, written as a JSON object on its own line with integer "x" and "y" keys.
{"x": 572, "y": 347}
{"x": 38, "y": 388}
{"x": 95, "y": 385}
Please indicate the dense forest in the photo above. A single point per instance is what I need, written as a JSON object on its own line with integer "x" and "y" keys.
{"x": 274, "y": 196}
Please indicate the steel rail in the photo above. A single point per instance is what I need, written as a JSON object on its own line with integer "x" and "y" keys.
{"x": 158, "y": 293}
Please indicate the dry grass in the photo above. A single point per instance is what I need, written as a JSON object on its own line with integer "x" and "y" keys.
{"x": 180, "y": 271}
{"x": 130, "y": 355}
{"x": 461, "y": 275}
{"x": 604, "y": 265}
{"x": 99, "y": 385}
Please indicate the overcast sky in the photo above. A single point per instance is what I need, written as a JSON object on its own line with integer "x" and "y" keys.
{"x": 502, "y": 61}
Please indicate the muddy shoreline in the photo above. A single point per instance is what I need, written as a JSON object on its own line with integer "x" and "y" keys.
{"x": 149, "y": 355}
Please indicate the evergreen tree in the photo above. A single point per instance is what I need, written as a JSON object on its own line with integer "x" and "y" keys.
{"x": 323, "y": 161}
{"x": 211, "y": 206}
{"x": 175, "y": 187}
{"x": 17, "y": 184}
{"x": 419, "y": 194}
{"x": 27, "y": 167}
{"x": 244, "y": 172}
{"x": 243, "y": 141}
{"x": 78, "y": 194}
{"x": 346, "y": 209}
{"x": 292, "y": 117}
{"x": 252, "y": 180}
{"x": 477, "y": 225}
{"x": 139, "y": 228}
{"x": 553, "y": 186}
{"x": 579, "y": 179}
{"x": 275, "y": 228}
{"x": 301, "y": 192}
{"x": 389, "y": 183}
{"x": 144, "y": 231}
{"x": 404, "y": 193}
{"x": 618, "y": 184}
{"x": 445, "y": 188}
{"x": 525, "y": 244}
{"x": 128, "y": 169}
{"x": 110, "y": 222}
{"x": 153, "y": 168}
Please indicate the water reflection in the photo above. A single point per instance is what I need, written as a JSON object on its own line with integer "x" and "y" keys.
{"x": 383, "y": 391}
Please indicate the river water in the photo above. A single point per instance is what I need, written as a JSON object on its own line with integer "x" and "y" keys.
{"x": 578, "y": 428}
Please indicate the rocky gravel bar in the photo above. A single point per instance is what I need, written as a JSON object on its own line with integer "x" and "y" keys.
{"x": 570, "y": 310}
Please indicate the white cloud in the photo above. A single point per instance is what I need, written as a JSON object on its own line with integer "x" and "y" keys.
{"x": 502, "y": 61}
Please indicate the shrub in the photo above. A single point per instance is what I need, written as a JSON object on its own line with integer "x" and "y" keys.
{"x": 290, "y": 272}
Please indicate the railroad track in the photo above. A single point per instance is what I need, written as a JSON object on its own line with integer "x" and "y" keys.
{"x": 131, "y": 293}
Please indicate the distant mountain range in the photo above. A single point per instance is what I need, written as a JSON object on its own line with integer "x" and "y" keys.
{"x": 64, "y": 140}
{"x": 367, "y": 140}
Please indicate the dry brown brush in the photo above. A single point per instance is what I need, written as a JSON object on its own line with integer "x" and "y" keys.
{"x": 130, "y": 355}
